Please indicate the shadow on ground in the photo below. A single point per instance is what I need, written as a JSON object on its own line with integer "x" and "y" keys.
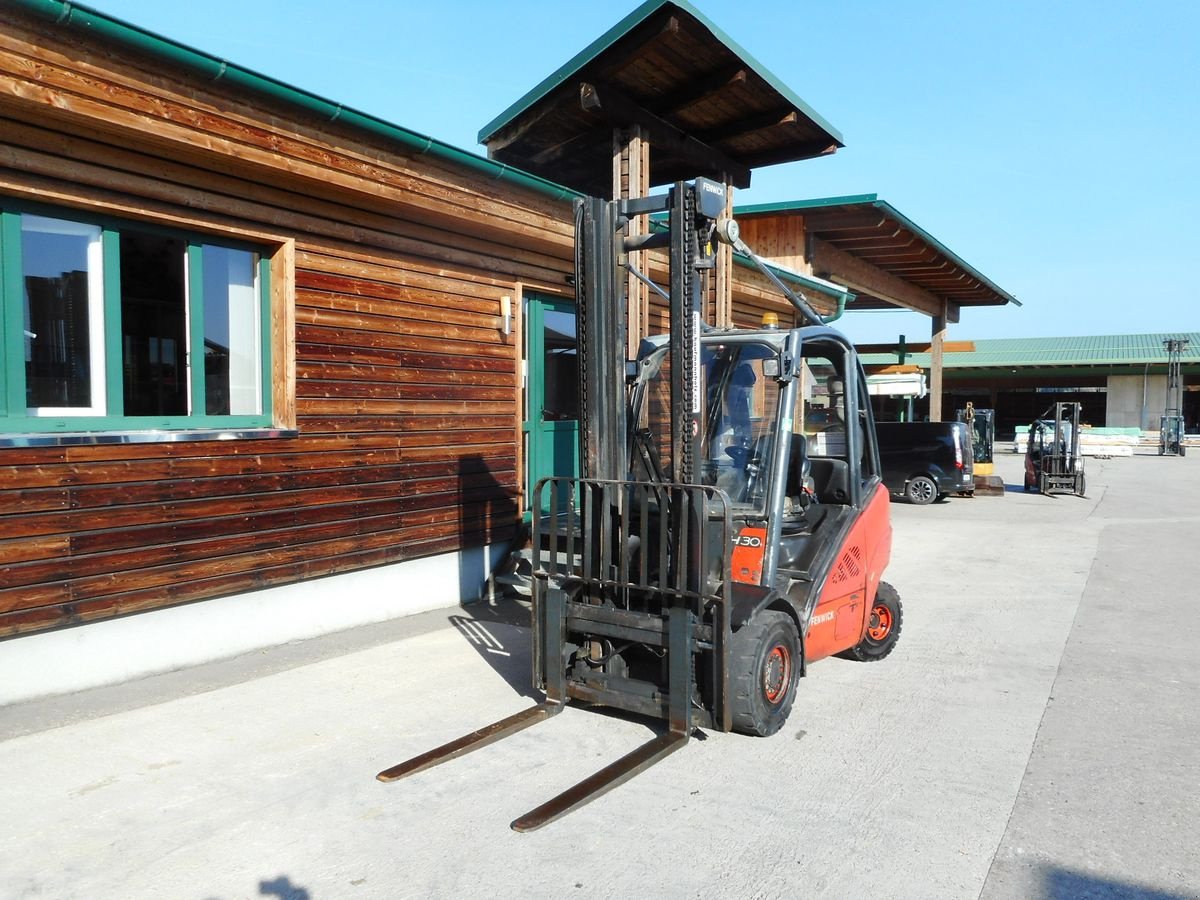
{"x": 1067, "y": 884}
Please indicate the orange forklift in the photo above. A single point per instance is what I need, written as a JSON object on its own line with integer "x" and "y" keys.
{"x": 715, "y": 544}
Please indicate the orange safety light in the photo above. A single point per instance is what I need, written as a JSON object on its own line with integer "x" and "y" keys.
{"x": 770, "y": 320}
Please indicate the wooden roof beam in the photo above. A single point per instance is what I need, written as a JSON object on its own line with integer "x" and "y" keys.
{"x": 614, "y": 107}
{"x": 838, "y": 265}
{"x": 857, "y": 220}
{"x": 772, "y": 118}
{"x": 699, "y": 89}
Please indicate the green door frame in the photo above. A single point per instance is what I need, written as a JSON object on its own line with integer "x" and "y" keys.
{"x": 552, "y": 445}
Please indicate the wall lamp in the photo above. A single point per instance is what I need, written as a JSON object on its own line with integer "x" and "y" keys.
{"x": 506, "y": 314}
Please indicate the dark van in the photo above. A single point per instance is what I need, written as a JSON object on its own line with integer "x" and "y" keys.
{"x": 925, "y": 461}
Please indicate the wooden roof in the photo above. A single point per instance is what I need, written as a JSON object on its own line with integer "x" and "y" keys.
{"x": 874, "y": 233}
{"x": 707, "y": 106}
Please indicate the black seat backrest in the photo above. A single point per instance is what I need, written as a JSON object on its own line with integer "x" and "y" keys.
{"x": 831, "y": 478}
{"x": 799, "y": 466}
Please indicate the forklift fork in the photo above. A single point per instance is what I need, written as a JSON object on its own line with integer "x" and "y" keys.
{"x": 612, "y": 775}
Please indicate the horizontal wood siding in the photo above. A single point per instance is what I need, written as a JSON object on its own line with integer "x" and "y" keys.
{"x": 405, "y": 388}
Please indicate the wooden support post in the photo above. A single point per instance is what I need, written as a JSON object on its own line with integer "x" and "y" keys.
{"x": 937, "y": 344}
{"x": 631, "y": 178}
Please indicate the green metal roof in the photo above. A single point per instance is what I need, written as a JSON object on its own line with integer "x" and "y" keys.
{"x": 618, "y": 31}
{"x": 84, "y": 20}
{"x": 905, "y": 269}
{"x": 1017, "y": 353}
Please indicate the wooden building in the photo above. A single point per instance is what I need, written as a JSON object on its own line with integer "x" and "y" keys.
{"x": 249, "y": 338}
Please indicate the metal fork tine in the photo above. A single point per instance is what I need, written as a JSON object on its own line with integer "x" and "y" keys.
{"x": 605, "y": 780}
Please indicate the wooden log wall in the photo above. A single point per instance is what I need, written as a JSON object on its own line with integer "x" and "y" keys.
{"x": 399, "y": 379}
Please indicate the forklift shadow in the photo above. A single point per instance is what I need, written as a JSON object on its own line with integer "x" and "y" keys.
{"x": 505, "y": 646}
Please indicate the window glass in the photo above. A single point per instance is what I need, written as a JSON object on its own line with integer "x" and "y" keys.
{"x": 153, "y": 325}
{"x": 232, "y": 379}
{"x": 63, "y": 316}
{"x": 822, "y": 407}
{"x": 561, "y": 366}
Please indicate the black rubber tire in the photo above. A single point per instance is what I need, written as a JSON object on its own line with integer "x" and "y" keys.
{"x": 872, "y": 649}
{"x": 920, "y": 490}
{"x": 765, "y": 651}
{"x": 1082, "y": 485}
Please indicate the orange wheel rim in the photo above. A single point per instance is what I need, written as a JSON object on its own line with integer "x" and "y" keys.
{"x": 777, "y": 674}
{"x": 881, "y": 623}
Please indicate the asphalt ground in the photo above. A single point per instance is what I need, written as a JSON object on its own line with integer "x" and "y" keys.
{"x": 1035, "y": 734}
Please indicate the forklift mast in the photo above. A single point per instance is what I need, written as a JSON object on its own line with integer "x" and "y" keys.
{"x": 602, "y": 252}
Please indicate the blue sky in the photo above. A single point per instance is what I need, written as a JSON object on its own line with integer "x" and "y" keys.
{"x": 1053, "y": 145}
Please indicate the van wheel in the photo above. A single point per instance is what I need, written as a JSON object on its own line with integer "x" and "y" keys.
{"x": 765, "y": 661}
{"x": 883, "y": 629}
{"x": 920, "y": 490}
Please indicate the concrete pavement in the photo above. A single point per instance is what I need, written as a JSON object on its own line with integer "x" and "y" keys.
{"x": 1033, "y": 735}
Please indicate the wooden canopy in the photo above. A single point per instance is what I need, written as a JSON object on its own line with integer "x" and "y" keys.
{"x": 705, "y": 106}
{"x": 887, "y": 259}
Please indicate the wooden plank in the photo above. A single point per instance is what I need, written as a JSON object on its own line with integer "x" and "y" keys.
{"x": 122, "y": 524}
{"x": 392, "y": 340}
{"x": 387, "y": 358}
{"x": 311, "y": 310}
{"x": 57, "y": 557}
{"x": 275, "y": 550}
{"x": 283, "y": 335}
{"x": 210, "y": 211}
{"x": 49, "y": 616}
{"x": 377, "y": 215}
{"x": 168, "y": 123}
{"x": 349, "y": 371}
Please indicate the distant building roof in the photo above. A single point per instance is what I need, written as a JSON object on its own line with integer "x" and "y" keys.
{"x": 1051, "y": 352}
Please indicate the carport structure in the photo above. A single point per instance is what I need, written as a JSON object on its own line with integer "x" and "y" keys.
{"x": 888, "y": 260}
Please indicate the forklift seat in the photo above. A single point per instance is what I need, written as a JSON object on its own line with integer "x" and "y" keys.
{"x": 797, "y": 474}
{"x": 831, "y": 478}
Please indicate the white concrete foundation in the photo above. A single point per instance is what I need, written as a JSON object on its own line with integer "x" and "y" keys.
{"x": 107, "y": 652}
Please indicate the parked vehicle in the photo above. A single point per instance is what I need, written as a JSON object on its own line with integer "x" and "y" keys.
{"x": 925, "y": 461}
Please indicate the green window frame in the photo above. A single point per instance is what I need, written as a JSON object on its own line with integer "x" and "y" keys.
{"x": 15, "y": 418}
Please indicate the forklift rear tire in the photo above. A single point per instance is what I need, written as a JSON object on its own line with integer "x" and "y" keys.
{"x": 765, "y": 667}
{"x": 920, "y": 490}
{"x": 883, "y": 629}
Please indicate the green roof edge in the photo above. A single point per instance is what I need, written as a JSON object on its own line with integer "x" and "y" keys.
{"x": 610, "y": 37}
{"x": 873, "y": 200}
{"x": 68, "y": 14}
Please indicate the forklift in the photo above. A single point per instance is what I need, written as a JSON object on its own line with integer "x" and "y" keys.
{"x": 1170, "y": 425}
{"x": 711, "y": 549}
{"x": 1053, "y": 460}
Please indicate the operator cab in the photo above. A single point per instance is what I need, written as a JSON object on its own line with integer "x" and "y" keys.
{"x": 775, "y": 427}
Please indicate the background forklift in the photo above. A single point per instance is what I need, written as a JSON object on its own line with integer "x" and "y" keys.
{"x": 711, "y": 549}
{"x": 1170, "y": 426}
{"x": 1053, "y": 462}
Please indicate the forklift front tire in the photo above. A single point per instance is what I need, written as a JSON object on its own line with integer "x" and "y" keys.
{"x": 765, "y": 656}
{"x": 883, "y": 629}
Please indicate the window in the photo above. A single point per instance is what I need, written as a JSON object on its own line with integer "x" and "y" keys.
{"x": 111, "y": 326}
